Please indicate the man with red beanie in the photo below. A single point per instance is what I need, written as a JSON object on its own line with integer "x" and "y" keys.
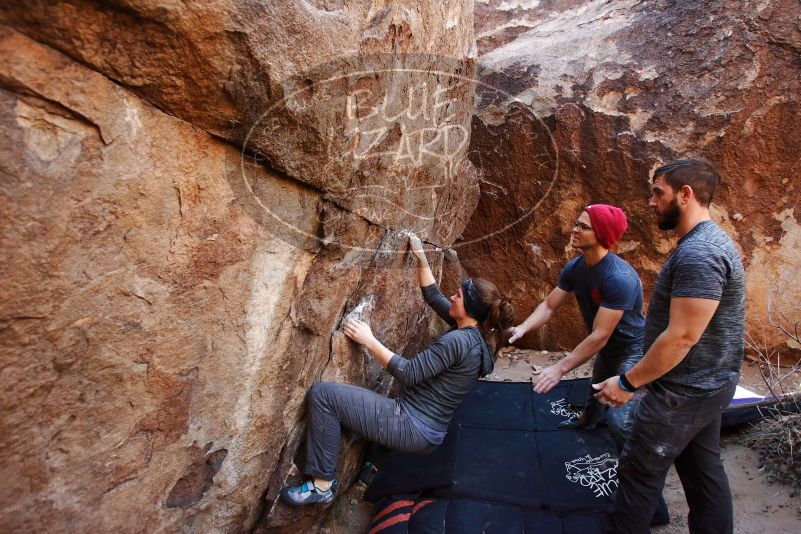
{"x": 609, "y": 223}
{"x": 609, "y": 294}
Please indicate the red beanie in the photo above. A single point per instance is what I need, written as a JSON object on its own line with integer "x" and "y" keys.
{"x": 609, "y": 223}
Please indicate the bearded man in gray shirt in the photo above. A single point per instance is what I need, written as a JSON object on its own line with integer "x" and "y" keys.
{"x": 694, "y": 350}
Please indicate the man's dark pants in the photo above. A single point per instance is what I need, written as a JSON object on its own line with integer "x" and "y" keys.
{"x": 675, "y": 428}
{"x": 621, "y": 419}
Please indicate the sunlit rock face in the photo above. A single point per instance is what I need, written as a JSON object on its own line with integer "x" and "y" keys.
{"x": 583, "y": 106}
{"x": 499, "y": 22}
{"x": 194, "y": 196}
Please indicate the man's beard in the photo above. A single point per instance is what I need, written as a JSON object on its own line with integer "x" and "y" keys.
{"x": 669, "y": 220}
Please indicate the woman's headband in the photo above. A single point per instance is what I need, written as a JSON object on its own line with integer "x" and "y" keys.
{"x": 473, "y": 304}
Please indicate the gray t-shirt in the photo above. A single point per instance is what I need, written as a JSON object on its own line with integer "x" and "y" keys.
{"x": 705, "y": 264}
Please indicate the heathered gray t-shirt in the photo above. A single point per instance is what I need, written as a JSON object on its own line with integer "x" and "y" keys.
{"x": 436, "y": 379}
{"x": 705, "y": 264}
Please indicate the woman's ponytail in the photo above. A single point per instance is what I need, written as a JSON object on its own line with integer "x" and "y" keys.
{"x": 500, "y": 317}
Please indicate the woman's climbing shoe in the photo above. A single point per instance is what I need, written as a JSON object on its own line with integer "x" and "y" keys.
{"x": 307, "y": 493}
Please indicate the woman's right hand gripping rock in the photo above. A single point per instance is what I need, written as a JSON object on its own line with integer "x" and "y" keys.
{"x": 416, "y": 247}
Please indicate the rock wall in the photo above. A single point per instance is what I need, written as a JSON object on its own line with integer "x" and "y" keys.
{"x": 194, "y": 195}
{"x": 499, "y": 22}
{"x": 583, "y": 107}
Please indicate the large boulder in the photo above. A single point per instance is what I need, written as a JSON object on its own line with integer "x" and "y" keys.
{"x": 369, "y": 103}
{"x": 583, "y": 107}
{"x": 175, "y": 275}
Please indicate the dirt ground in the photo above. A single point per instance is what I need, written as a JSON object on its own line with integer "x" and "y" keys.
{"x": 760, "y": 504}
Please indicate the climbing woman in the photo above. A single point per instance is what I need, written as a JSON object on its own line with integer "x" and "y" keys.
{"x": 434, "y": 382}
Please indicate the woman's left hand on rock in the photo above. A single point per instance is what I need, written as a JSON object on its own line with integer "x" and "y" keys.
{"x": 358, "y": 331}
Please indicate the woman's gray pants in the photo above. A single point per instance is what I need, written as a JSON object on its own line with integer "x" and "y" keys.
{"x": 376, "y": 417}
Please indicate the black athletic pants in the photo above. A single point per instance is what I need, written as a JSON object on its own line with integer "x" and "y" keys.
{"x": 376, "y": 417}
{"x": 672, "y": 428}
{"x": 619, "y": 419}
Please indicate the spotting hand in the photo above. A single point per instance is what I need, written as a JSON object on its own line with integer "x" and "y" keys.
{"x": 517, "y": 332}
{"x": 549, "y": 377}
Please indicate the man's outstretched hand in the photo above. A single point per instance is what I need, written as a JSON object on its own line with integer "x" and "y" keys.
{"x": 516, "y": 333}
{"x": 548, "y": 378}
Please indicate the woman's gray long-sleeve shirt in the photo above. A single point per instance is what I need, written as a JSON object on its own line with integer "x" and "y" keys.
{"x": 436, "y": 379}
